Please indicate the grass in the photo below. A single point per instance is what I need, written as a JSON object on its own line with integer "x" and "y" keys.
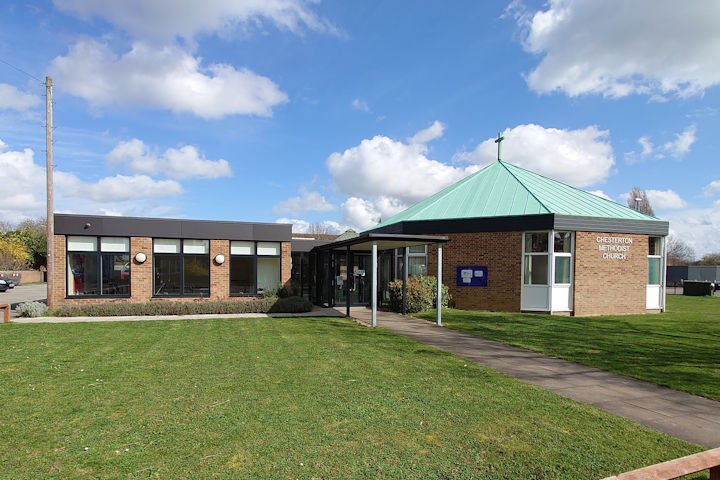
{"x": 282, "y": 398}
{"x": 679, "y": 349}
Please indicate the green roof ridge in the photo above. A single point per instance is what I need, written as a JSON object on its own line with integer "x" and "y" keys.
{"x": 614, "y": 203}
{"x": 523, "y": 185}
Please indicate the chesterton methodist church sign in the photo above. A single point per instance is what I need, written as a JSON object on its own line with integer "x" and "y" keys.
{"x": 614, "y": 248}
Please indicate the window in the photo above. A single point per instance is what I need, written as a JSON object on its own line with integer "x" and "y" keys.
{"x": 182, "y": 267}
{"x": 254, "y": 267}
{"x": 93, "y": 271}
{"x": 242, "y": 268}
{"x": 417, "y": 261}
{"x": 655, "y": 261}
{"x": 535, "y": 264}
{"x": 562, "y": 254}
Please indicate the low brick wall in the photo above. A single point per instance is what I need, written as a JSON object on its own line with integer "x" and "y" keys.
{"x": 25, "y": 276}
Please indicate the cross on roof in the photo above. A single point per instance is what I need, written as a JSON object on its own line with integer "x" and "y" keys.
{"x": 499, "y": 140}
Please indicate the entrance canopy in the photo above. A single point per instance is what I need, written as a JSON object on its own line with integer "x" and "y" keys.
{"x": 388, "y": 241}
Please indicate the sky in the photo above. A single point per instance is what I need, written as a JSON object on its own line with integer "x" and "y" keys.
{"x": 345, "y": 113}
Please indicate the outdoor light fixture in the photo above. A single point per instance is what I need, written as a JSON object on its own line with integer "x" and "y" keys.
{"x": 219, "y": 258}
{"x": 140, "y": 257}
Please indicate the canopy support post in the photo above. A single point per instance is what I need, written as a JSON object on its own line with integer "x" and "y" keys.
{"x": 405, "y": 278}
{"x": 347, "y": 281}
{"x": 374, "y": 283}
{"x": 438, "y": 320}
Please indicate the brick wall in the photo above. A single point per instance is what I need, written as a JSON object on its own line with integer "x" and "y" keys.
{"x": 605, "y": 286}
{"x": 141, "y": 274}
{"x": 499, "y": 251}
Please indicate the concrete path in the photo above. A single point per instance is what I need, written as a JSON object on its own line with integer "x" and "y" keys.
{"x": 682, "y": 415}
{"x": 24, "y": 293}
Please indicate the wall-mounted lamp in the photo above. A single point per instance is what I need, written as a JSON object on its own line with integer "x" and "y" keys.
{"x": 140, "y": 257}
{"x": 219, "y": 258}
{"x": 87, "y": 226}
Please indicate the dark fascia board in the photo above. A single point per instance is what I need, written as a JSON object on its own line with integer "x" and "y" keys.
{"x": 611, "y": 225}
{"x": 366, "y": 237}
{"x": 471, "y": 225}
{"x": 98, "y": 225}
{"x": 307, "y": 245}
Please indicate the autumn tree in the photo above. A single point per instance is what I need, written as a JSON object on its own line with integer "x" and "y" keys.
{"x": 710, "y": 259}
{"x": 638, "y": 200}
{"x": 13, "y": 255}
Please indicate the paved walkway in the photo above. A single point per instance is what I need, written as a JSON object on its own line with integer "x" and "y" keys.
{"x": 682, "y": 415}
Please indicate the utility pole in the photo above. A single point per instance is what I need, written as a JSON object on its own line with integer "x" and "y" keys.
{"x": 50, "y": 221}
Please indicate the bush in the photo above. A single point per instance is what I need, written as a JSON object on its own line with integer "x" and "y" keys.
{"x": 31, "y": 309}
{"x": 421, "y": 294}
{"x": 200, "y": 307}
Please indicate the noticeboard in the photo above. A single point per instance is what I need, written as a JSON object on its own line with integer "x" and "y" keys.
{"x": 472, "y": 276}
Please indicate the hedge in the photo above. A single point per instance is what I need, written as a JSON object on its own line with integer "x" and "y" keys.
{"x": 115, "y": 309}
{"x": 421, "y": 294}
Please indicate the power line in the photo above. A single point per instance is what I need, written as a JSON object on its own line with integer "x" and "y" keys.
{"x": 20, "y": 70}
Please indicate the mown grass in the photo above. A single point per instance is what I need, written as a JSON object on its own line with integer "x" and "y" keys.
{"x": 679, "y": 349}
{"x": 286, "y": 398}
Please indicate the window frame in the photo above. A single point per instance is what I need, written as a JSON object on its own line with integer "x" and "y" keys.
{"x": 569, "y": 254}
{"x": 182, "y": 255}
{"x": 400, "y": 257}
{"x": 659, "y": 258}
{"x": 255, "y": 256}
{"x": 98, "y": 257}
{"x": 549, "y": 282}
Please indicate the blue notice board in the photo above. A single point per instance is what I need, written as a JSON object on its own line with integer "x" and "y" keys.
{"x": 472, "y": 276}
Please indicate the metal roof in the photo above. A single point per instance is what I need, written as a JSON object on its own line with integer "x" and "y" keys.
{"x": 505, "y": 190}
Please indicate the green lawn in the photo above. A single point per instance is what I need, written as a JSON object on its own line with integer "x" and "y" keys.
{"x": 679, "y": 349}
{"x": 282, "y": 398}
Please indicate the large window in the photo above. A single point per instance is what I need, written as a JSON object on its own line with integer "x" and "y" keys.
{"x": 562, "y": 253}
{"x": 417, "y": 261}
{"x": 93, "y": 271}
{"x": 655, "y": 261}
{"x": 535, "y": 261}
{"x": 181, "y": 267}
{"x": 254, "y": 267}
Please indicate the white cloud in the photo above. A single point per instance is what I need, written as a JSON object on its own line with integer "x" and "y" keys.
{"x": 647, "y": 146}
{"x": 618, "y": 48}
{"x": 360, "y": 104}
{"x": 27, "y": 196}
{"x": 165, "y": 78}
{"x": 580, "y": 157}
{"x": 303, "y": 226}
{"x": 433, "y": 132}
{"x": 183, "y": 162}
{"x": 306, "y": 201}
{"x": 167, "y": 19}
{"x": 698, "y": 227}
{"x": 712, "y": 188}
{"x": 13, "y": 99}
{"x": 601, "y": 194}
{"x": 665, "y": 199}
{"x": 682, "y": 143}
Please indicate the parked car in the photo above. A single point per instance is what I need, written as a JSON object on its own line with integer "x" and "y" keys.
{"x": 10, "y": 282}
{"x": 3, "y": 286}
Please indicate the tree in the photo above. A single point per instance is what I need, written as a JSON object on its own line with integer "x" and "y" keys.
{"x": 13, "y": 255}
{"x": 678, "y": 252}
{"x": 318, "y": 229}
{"x": 638, "y": 200}
{"x": 33, "y": 235}
{"x": 709, "y": 259}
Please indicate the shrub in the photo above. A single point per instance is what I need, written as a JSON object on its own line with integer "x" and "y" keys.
{"x": 200, "y": 307}
{"x": 420, "y": 295}
{"x": 31, "y": 309}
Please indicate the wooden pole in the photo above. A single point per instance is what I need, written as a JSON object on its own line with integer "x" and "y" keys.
{"x": 50, "y": 221}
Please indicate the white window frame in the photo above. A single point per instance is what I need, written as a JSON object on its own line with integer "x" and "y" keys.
{"x": 548, "y": 254}
{"x": 399, "y": 256}
{"x": 660, "y": 258}
{"x": 570, "y": 254}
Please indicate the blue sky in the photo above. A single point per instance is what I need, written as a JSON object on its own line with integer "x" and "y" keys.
{"x": 344, "y": 113}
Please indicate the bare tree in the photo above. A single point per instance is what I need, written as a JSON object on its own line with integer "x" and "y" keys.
{"x": 679, "y": 252}
{"x": 710, "y": 259}
{"x": 318, "y": 229}
{"x": 638, "y": 200}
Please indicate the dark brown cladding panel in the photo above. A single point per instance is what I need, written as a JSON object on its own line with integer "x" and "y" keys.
{"x": 170, "y": 228}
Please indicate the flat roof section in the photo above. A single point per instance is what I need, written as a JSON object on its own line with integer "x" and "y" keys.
{"x": 385, "y": 241}
{"x": 99, "y": 225}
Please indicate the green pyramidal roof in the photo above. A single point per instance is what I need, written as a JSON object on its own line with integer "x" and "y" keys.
{"x": 502, "y": 189}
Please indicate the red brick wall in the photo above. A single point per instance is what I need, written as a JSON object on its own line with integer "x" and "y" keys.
{"x": 605, "y": 286}
{"x": 499, "y": 251}
{"x": 285, "y": 263}
{"x": 141, "y": 281}
{"x": 219, "y": 274}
